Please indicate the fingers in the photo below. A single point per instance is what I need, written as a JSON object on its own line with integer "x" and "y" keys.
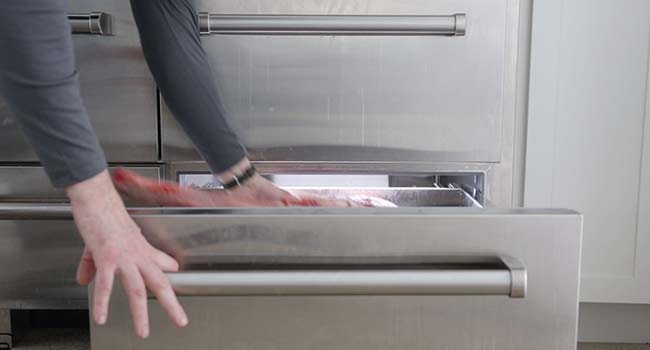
{"x": 164, "y": 261}
{"x": 159, "y": 285}
{"x": 136, "y": 292}
{"x": 86, "y": 270}
{"x": 284, "y": 194}
{"x": 133, "y": 281}
{"x": 102, "y": 293}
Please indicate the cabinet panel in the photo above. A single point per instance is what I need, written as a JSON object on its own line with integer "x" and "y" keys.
{"x": 587, "y": 143}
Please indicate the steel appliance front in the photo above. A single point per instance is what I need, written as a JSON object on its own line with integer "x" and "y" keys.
{"x": 415, "y": 101}
{"x": 408, "y": 278}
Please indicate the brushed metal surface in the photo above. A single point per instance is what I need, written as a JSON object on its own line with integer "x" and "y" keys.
{"x": 359, "y": 98}
{"x": 42, "y": 248}
{"x": 98, "y": 23}
{"x": 30, "y": 183}
{"x": 342, "y": 279}
{"x": 39, "y": 258}
{"x": 116, "y": 86}
{"x": 331, "y": 24}
{"x": 402, "y": 197}
{"x": 175, "y": 169}
{"x": 319, "y": 283}
{"x": 547, "y": 241}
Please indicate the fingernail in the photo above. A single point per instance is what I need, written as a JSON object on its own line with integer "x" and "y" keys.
{"x": 144, "y": 332}
{"x": 184, "y": 321}
{"x": 101, "y": 319}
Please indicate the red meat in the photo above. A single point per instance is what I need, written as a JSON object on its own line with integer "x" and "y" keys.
{"x": 148, "y": 191}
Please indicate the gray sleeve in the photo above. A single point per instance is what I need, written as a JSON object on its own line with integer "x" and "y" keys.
{"x": 39, "y": 81}
{"x": 172, "y": 47}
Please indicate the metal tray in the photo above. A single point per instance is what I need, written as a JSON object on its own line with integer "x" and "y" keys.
{"x": 400, "y": 196}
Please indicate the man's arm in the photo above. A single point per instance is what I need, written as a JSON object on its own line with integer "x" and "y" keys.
{"x": 115, "y": 245}
{"x": 172, "y": 47}
{"x": 38, "y": 78}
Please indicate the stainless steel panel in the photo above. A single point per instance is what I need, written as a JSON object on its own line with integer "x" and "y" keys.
{"x": 30, "y": 183}
{"x": 402, "y": 197}
{"x": 362, "y": 98}
{"x": 173, "y": 170}
{"x": 546, "y": 241}
{"x": 39, "y": 258}
{"x": 117, "y": 88}
{"x": 39, "y": 261}
{"x": 332, "y": 25}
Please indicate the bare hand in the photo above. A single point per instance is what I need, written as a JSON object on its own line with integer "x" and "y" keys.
{"x": 256, "y": 192}
{"x": 257, "y": 189}
{"x": 115, "y": 246}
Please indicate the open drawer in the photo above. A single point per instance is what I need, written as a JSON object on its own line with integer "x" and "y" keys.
{"x": 44, "y": 253}
{"x": 353, "y": 278}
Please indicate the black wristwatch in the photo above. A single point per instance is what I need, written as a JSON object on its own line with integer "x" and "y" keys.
{"x": 240, "y": 179}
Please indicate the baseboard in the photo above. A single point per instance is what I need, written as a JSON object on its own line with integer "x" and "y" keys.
{"x": 614, "y": 323}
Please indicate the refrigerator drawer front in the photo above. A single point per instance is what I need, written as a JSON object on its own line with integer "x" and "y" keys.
{"x": 360, "y": 80}
{"x": 39, "y": 260}
{"x": 116, "y": 86}
{"x": 25, "y": 183}
{"x": 40, "y": 257}
{"x": 363, "y": 279}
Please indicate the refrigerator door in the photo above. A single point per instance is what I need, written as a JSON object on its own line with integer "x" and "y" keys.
{"x": 407, "y": 278}
{"x": 116, "y": 85}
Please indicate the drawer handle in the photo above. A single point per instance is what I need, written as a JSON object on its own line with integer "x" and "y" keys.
{"x": 452, "y": 25}
{"x": 510, "y": 281}
{"x": 96, "y": 23}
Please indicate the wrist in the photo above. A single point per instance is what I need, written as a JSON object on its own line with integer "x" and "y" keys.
{"x": 97, "y": 191}
{"x": 96, "y": 206}
{"x": 234, "y": 171}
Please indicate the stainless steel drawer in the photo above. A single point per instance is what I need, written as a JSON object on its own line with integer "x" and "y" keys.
{"x": 40, "y": 257}
{"x": 39, "y": 260}
{"x": 116, "y": 85}
{"x": 325, "y": 95}
{"x": 362, "y": 279}
{"x": 30, "y": 183}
